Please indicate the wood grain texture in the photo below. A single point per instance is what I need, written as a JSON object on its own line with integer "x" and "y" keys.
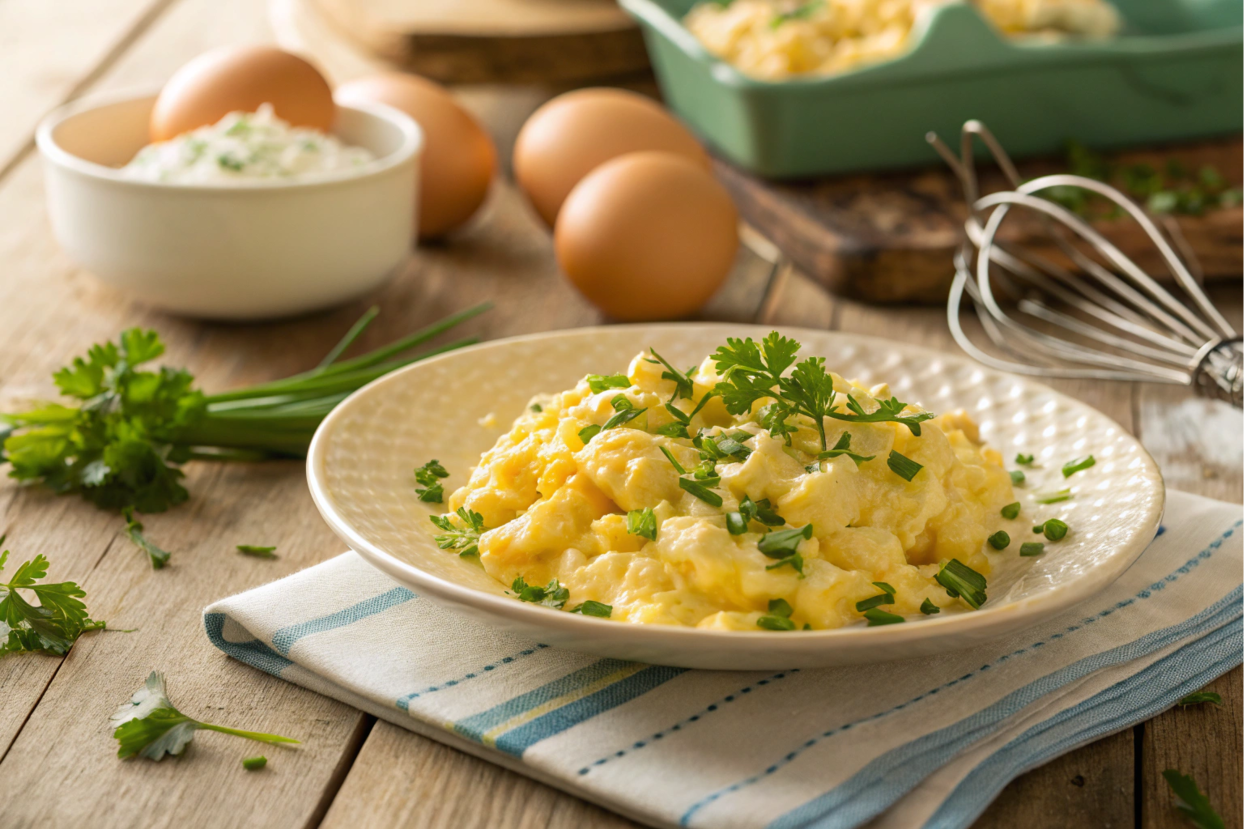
{"x": 889, "y": 238}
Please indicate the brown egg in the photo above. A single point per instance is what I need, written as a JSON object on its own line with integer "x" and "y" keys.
{"x": 647, "y": 236}
{"x": 459, "y": 157}
{"x": 238, "y": 80}
{"x": 575, "y": 133}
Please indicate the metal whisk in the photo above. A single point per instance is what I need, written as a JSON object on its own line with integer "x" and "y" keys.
{"x": 1098, "y": 320}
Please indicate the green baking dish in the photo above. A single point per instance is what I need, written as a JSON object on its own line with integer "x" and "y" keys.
{"x": 1173, "y": 72}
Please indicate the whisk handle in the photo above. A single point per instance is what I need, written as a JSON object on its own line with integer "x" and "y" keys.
{"x": 1219, "y": 372}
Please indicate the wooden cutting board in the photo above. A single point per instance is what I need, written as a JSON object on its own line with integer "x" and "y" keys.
{"x": 890, "y": 238}
{"x": 494, "y": 41}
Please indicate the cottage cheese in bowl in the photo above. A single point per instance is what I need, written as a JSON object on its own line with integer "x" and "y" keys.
{"x": 245, "y": 146}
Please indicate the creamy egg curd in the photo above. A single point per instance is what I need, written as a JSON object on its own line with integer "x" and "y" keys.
{"x": 753, "y": 492}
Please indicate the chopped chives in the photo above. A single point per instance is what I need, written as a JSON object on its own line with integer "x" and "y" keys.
{"x": 928, "y": 608}
{"x": 736, "y": 524}
{"x": 1011, "y": 511}
{"x": 1053, "y": 497}
{"x": 874, "y": 601}
{"x": 999, "y": 540}
{"x": 1072, "y": 467}
{"x": 794, "y": 561}
{"x": 1023, "y": 460}
{"x": 700, "y": 491}
{"x": 880, "y": 585}
{"x": 903, "y": 466}
{"x": 1055, "y": 529}
{"x": 257, "y": 552}
{"x": 625, "y": 415}
{"x": 1017, "y": 477}
{"x": 878, "y": 617}
{"x": 603, "y": 382}
{"x": 783, "y": 543}
{"x": 254, "y": 763}
{"x": 669, "y": 457}
{"x": 643, "y": 523}
{"x": 775, "y": 623}
{"x": 1032, "y": 548}
{"x": 592, "y": 608}
{"x": 780, "y": 607}
{"x": 537, "y": 408}
{"x": 961, "y": 581}
{"x": 588, "y": 432}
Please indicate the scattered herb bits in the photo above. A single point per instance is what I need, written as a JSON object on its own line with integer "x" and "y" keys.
{"x": 537, "y": 408}
{"x": 1072, "y": 467}
{"x": 778, "y": 617}
{"x": 1032, "y": 548}
{"x": 843, "y": 447}
{"x": 903, "y": 466}
{"x": 254, "y": 763}
{"x": 643, "y": 523}
{"x": 1054, "y": 529}
{"x": 428, "y": 477}
{"x": 1024, "y": 460}
{"x": 928, "y": 608}
{"x": 588, "y": 432}
{"x": 134, "y": 531}
{"x": 1011, "y": 511}
{"x": 603, "y": 382}
{"x": 592, "y": 608}
{"x": 1018, "y": 477}
{"x": 783, "y": 543}
{"x": 962, "y": 582}
{"x": 736, "y": 524}
{"x": 877, "y": 617}
{"x": 256, "y": 551}
{"x": 699, "y": 490}
{"x": 999, "y": 540}
{"x": 1053, "y": 497}
{"x": 1199, "y": 698}
{"x": 1190, "y": 800}
{"x": 551, "y": 595}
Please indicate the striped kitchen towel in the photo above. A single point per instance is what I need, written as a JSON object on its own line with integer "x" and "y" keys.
{"x": 925, "y": 742}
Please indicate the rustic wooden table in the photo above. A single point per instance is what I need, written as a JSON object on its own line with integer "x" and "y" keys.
{"x": 57, "y": 760}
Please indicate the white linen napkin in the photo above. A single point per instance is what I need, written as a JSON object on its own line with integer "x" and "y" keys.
{"x": 927, "y": 742}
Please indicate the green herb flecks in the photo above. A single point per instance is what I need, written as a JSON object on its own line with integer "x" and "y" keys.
{"x": 592, "y": 608}
{"x": 603, "y": 382}
{"x": 1053, "y": 497}
{"x": 1072, "y": 467}
{"x": 903, "y": 466}
{"x": 673, "y": 462}
{"x": 999, "y": 540}
{"x": 464, "y": 536}
{"x": 134, "y": 531}
{"x": 428, "y": 477}
{"x": 536, "y": 407}
{"x": 801, "y": 13}
{"x": 625, "y": 412}
{"x": 256, "y": 551}
{"x": 962, "y": 582}
{"x": 54, "y": 624}
{"x": 778, "y": 617}
{"x": 643, "y": 523}
{"x": 843, "y": 447}
{"x": 254, "y": 763}
{"x": 1024, "y": 460}
{"x": 551, "y": 595}
{"x": 149, "y": 726}
{"x": 1030, "y": 549}
{"x": 684, "y": 387}
{"x": 1018, "y": 477}
{"x": 877, "y": 617}
{"x": 700, "y": 489}
{"x": 588, "y": 432}
{"x": 928, "y": 608}
{"x": 761, "y": 511}
{"x": 1191, "y": 802}
{"x": 1199, "y": 698}
{"x": 1011, "y": 511}
{"x": 783, "y": 543}
{"x": 1054, "y": 529}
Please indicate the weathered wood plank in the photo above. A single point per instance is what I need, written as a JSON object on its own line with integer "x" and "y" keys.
{"x": 50, "y": 51}
{"x": 1092, "y": 786}
{"x": 1200, "y": 447}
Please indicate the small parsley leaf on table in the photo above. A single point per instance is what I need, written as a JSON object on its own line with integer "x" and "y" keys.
{"x": 1189, "y": 800}
{"x": 134, "y": 530}
{"x": 256, "y": 551}
{"x": 1200, "y": 697}
{"x": 148, "y": 725}
{"x": 54, "y": 624}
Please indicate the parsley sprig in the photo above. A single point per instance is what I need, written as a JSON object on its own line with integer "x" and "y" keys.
{"x": 752, "y": 372}
{"x": 150, "y": 726}
{"x": 1190, "y": 800}
{"x": 54, "y": 624}
{"x": 551, "y": 595}
{"x": 428, "y": 477}
{"x": 122, "y": 440}
{"x": 463, "y": 536}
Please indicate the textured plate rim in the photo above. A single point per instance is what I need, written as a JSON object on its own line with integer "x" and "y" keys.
{"x": 975, "y": 625}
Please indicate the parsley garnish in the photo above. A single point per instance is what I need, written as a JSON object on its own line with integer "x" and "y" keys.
{"x": 1072, "y": 467}
{"x": 1017, "y": 477}
{"x": 842, "y": 447}
{"x": 1024, "y": 460}
{"x": 752, "y": 372}
{"x": 1053, "y": 497}
{"x": 1031, "y": 548}
{"x": 1011, "y": 511}
{"x": 643, "y": 523}
{"x": 678, "y": 428}
{"x": 877, "y": 617}
{"x": 257, "y": 552}
{"x": 928, "y": 608}
{"x": 626, "y": 412}
{"x": 962, "y": 582}
{"x": 54, "y": 624}
{"x": 999, "y": 540}
{"x": 761, "y": 511}
{"x": 603, "y": 382}
{"x": 123, "y": 442}
{"x": 1200, "y": 697}
{"x": 148, "y": 725}
{"x": 778, "y": 617}
{"x": 903, "y": 466}
{"x": 427, "y": 477}
{"x": 551, "y": 595}
{"x": 464, "y": 538}
{"x": 254, "y": 763}
{"x": 1189, "y": 800}
{"x": 134, "y": 530}
{"x": 537, "y": 408}
{"x": 591, "y": 608}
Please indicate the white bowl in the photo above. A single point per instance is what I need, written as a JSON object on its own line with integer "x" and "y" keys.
{"x": 361, "y": 460}
{"x": 234, "y": 251}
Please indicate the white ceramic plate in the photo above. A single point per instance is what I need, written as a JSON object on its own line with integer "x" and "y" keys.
{"x": 361, "y": 461}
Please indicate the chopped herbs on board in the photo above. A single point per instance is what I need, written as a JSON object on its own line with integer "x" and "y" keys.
{"x": 256, "y": 551}
{"x": 148, "y": 725}
{"x": 121, "y": 441}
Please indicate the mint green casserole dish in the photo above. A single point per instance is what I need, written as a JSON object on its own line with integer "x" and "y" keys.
{"x": 1173, "y": 72}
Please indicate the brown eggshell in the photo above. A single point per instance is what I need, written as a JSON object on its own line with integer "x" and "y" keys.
{"x": 459, "y": 157}
{"x": 647, "y": 236}
{"x": 238, "y": 80}
{"x": 575, "y": 133}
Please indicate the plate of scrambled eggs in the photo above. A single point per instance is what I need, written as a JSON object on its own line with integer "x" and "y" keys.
{"x": 730, "y": 497}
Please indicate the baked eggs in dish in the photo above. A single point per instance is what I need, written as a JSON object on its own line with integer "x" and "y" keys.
{"x": 756, "y": 491}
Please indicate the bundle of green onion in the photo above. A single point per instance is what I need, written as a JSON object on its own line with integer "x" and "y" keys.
{"x": 122, "y": 446}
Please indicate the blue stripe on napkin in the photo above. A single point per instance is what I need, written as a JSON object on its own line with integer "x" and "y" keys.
{"x": 285, "y": 638}
{"x": 252, "y": 652}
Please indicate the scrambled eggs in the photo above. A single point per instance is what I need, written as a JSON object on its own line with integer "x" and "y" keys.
{"x": 642, "y": 498}
{"x": 775, "y": 39}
